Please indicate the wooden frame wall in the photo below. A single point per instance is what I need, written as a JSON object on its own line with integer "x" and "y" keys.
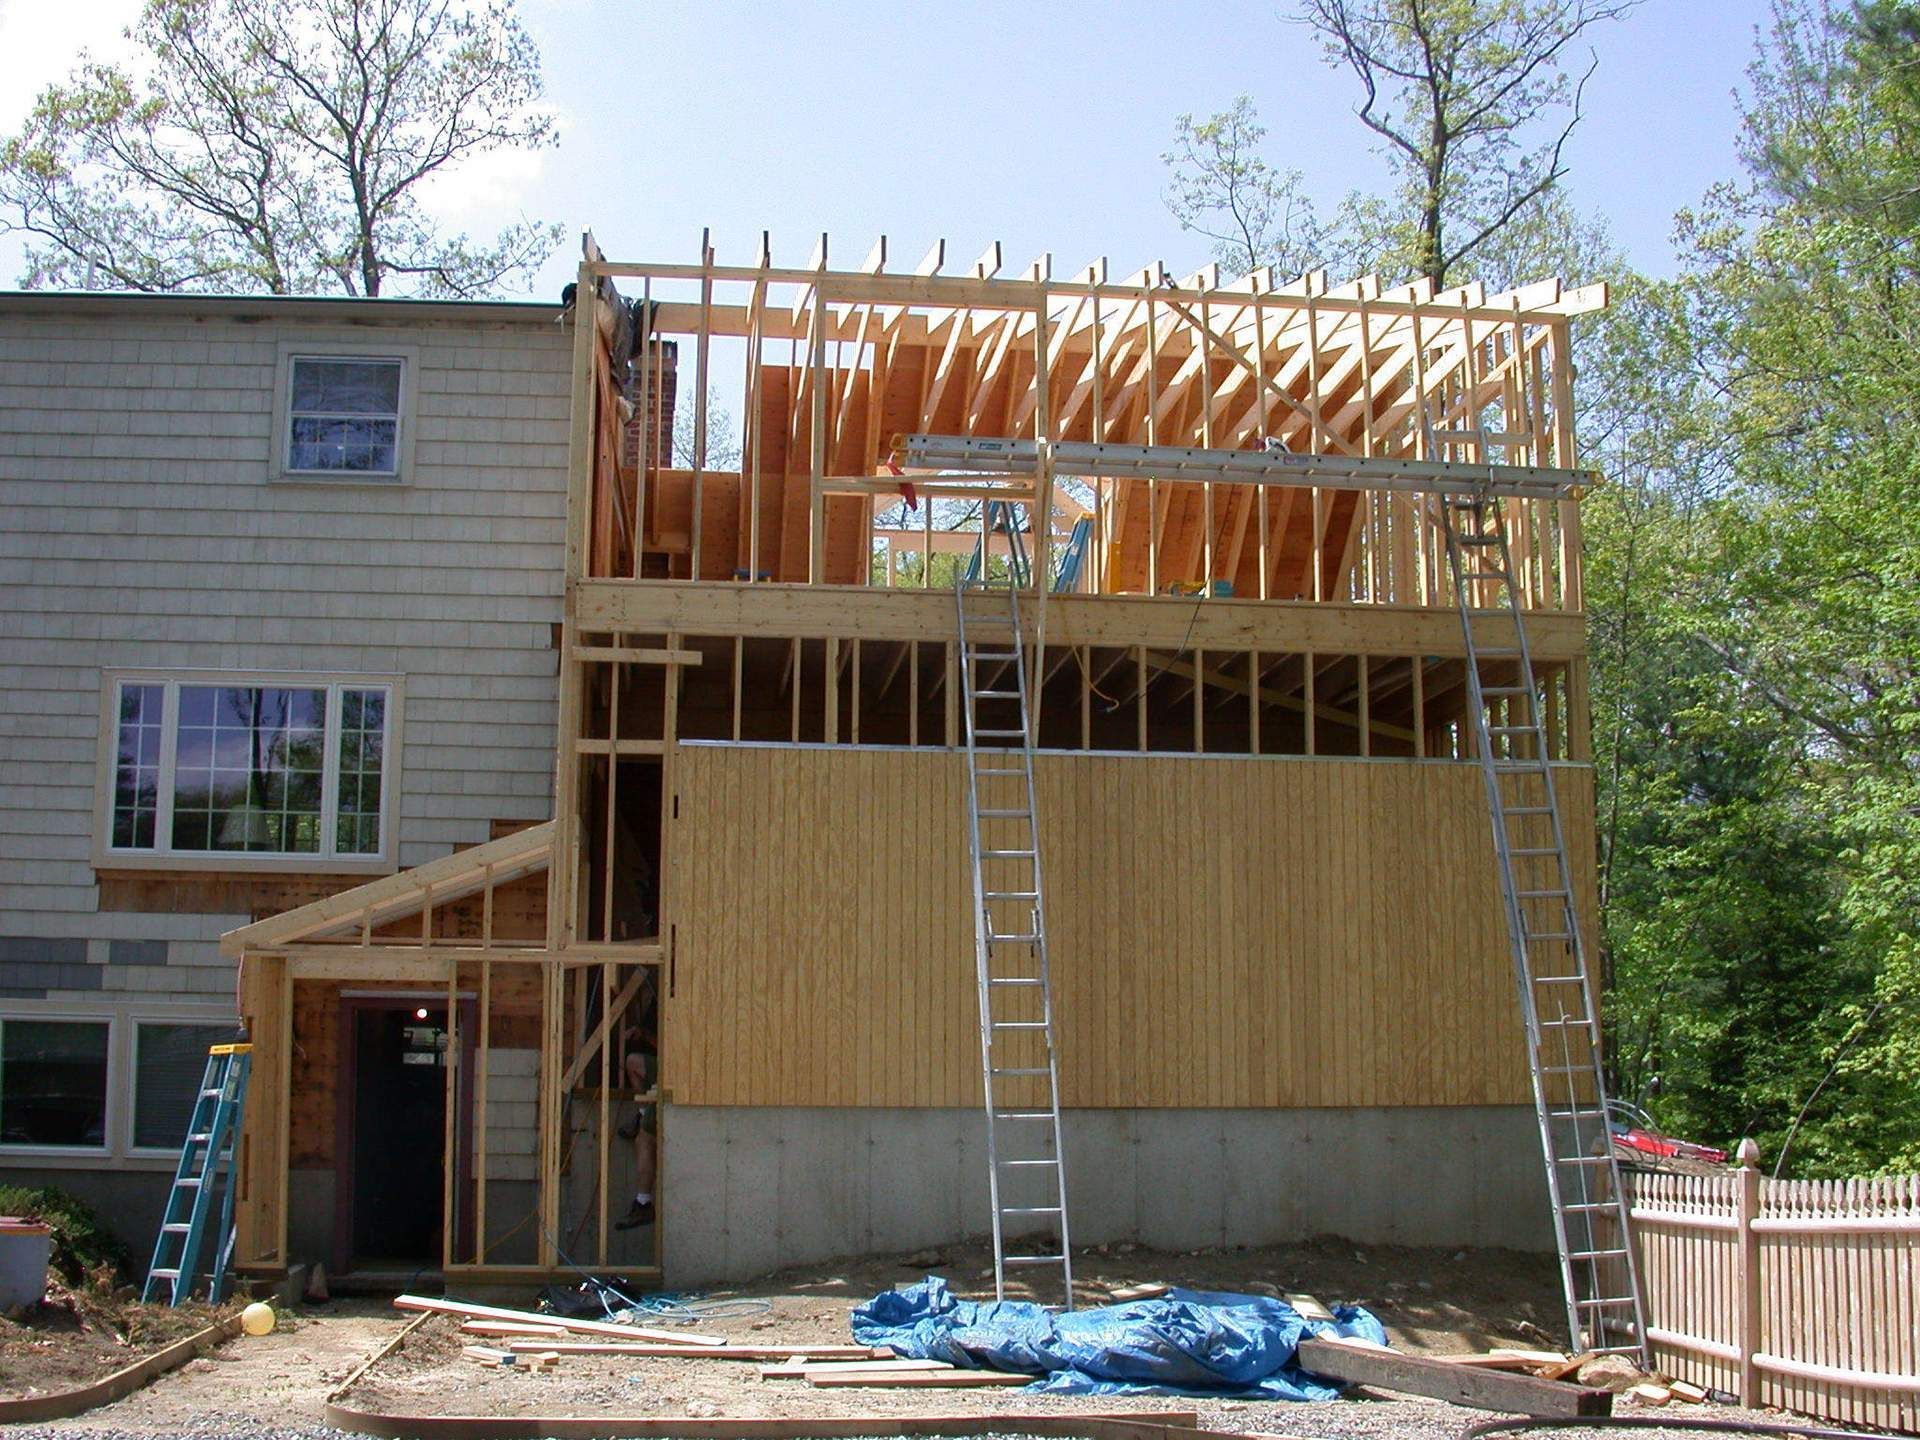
{"x": 840, "y": 363}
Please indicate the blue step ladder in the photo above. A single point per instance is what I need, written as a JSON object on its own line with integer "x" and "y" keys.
{"x": 213, "y": 1140}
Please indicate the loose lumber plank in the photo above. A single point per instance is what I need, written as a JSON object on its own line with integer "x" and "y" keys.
{"x": 800, "y": 1369}
{"x": 1361, "y": 1364}
{"x": 509, "y": 1327}
{"x": 466, "y": 1311}
{"x": 706, "y": 1352}
{"x": 1152, "y": 1290}
{"x": 1488, "y": 1362}
{"x": 920, "y": 1379}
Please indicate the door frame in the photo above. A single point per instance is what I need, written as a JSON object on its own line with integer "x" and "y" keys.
{"x": 346, "y": 1095}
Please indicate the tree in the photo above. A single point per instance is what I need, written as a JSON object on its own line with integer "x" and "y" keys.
{"x": 1222, "y": 189}
{"x": 1455, "y": 89}
{"x": 279, "y": 146}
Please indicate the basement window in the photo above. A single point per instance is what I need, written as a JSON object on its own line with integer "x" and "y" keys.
{"x": 53, "y": 1083}
{"x": 243, "y": 769}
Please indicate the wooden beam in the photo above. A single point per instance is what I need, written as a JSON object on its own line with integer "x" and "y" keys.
{"x": 1353, "y": 1363}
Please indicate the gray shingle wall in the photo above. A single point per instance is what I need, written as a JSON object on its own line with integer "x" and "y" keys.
{"x": 138, "y": 528}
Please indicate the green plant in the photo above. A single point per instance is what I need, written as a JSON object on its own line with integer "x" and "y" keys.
{"x": 82, "y": 1243}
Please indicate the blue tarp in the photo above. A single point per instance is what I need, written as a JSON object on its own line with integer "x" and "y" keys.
{"x": 1188, "y": 1342}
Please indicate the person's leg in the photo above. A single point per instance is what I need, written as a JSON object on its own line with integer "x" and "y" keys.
{"x": 644, "y": 1162}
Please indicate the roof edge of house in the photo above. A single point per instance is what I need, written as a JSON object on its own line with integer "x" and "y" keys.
{"x": 339, "y": 308}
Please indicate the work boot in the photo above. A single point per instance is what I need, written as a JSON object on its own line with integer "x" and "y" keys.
{"x": 641, "y": 1213}
{"x": 631, "y": 1129}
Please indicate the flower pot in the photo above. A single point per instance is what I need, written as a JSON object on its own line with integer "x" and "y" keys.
{"x": 25, "y": 1246}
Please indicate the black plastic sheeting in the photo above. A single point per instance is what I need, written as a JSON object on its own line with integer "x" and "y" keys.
{"x": 1187, "y": 1342}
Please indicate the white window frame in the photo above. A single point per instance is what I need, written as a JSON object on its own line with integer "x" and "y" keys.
{"x": 106, "y": 856}
{"x": 122, "y": 1019}
{"x": 289, "y": 351}
{"x": 70, "y": 1014}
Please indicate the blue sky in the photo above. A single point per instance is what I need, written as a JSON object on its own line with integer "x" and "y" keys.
{"x": 1038, "y": 125}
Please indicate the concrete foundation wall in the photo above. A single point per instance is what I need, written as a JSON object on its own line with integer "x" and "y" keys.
{"x": 747, "y": 1190}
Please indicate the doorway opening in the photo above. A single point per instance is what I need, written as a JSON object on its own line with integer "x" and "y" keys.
{"x": 390, "y": 1196}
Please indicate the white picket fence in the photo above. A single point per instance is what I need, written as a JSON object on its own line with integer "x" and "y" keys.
{"x": 1802, "y": 1294}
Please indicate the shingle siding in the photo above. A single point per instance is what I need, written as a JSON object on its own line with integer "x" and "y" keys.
{"x": 141, "y": 530}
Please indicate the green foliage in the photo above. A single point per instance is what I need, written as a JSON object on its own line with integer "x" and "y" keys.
{"x": 1753, "y": 559}
{"x": 1756, "y": 623}
{"x": 271, "y": 145}
{"x": 82, "y": 1243}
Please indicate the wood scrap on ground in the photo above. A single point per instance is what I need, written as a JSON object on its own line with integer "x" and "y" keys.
{"x": 922, "y": 1379}
{"x": 464, "y": 1311}
{"x": 539, "y": 1360}
{"x": 807, "y": 1370}
{"x": 705, "y": 1352}
{"x": 1358, "y": 1363}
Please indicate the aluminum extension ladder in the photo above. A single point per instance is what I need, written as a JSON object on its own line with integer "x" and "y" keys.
{"x": 1026, "y": 1170}
{"x": 1598, "y": 1271}
{"x": 213, "y": 1142}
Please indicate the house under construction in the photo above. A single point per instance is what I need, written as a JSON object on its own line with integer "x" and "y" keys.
{"x": 1209, "y": 543}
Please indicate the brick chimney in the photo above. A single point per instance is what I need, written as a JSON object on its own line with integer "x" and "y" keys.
{"x": 661, "y": 392}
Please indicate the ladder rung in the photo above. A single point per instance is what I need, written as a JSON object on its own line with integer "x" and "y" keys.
{"x": 1019, "y": 1024}
{"x": 1032, "y": 1259}
{"x": 1026, "y": 1164}
{"x": 1023, "y": 1115}
{"x": 1013, "y": 939}
{"x": 1583, "y": 1159}
{"x": 999, "y": 734}
{"x": 1537, "y": 894}
{"x": 999, "y": 769}
{"x": 1536, "y": 850}
{"x": 1568, "y": 1070}
{"x": 164, "y": 1274}
{"x": 1517, "y": 765}
{"x": 1526, "y": 809}
{"x": 1603, "y": 1302}
{"x": 175, "y": 1229}
{"x": 1020, "y": 1070}
{"x": 1505, "y": 690}
{"x": 1005, "y": 814}
{"x": 1557, "y": 979}
{"x": 1594, "y": 1254}
{"x": 996, "y": 694}
{"x": 1006, "y": 854}
{"x": 992, "y": 655}
{"x": 1565, "y": 1024}
{"x": 1011, "y": 894}
{"x": 1014, "y": 980}
{"x": 188, "y": 1180}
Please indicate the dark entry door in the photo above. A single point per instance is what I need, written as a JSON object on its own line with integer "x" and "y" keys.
{"x": 392, "y": 1163}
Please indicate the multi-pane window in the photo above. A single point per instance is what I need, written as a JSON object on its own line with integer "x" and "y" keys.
{"x": 136, "y": 771}
{"x": 245, "y": 768}
{"x": 53, "y": 1083}
{"x": 343, "y": 416}
{"x": 362, "y": 751}
{"x": 169, "y": 1061}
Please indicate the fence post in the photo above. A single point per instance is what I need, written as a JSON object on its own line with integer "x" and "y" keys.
{"x": 1747, "y": 1207}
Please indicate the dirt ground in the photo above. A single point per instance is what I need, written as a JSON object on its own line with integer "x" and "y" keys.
{"x": 75, "y": 1337}
{"x": 1430, "y": 1300}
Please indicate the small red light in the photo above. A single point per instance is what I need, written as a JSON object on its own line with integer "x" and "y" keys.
{"x": 421, "y": 1013}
